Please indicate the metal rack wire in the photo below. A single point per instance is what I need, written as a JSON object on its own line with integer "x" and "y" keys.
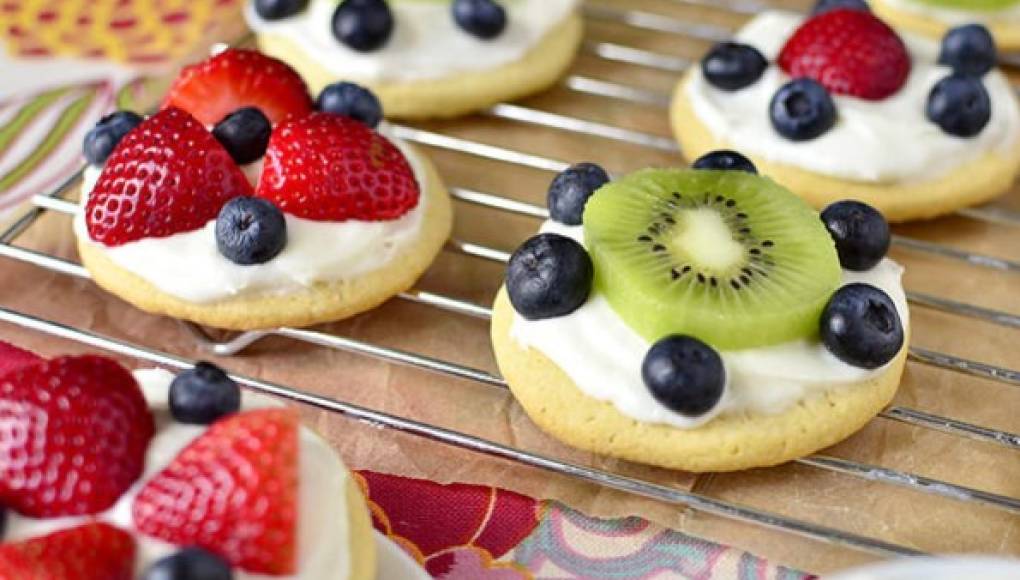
{"x": 56, "y": 201}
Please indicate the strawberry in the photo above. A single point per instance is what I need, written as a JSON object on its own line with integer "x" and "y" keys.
{"x": 12, "y": 357}
{"x": 332, "y": 168}
{"x": 93, "y": 551}
{"x": 232, "y": 491}
{"x": 168, "y": 175}
{"x": 212, "y": 89}
{"x": 74, "y": 434}
{"x": 850, "y": 52}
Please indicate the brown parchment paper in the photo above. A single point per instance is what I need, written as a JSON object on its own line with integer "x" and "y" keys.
{"x": 880, "y": 510}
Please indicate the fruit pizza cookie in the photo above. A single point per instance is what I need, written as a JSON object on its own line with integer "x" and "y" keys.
{"x": 702, "y": 319}
{"x": 153, "y": 476}
{"x": 424, "y": 58}
{"x": 837, "y": 105}
{"x": 240, "y": 205}
{"x": 935, "y": 18}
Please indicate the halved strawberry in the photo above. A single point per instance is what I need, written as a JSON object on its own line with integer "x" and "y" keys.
{"x": 332, "y": 168}
{"x": 73, "y": 438}
{"x": 850, "y": 52}
{"x": 166, "y": 176}
{"x": 233, "y": 491}
{"x": 12, "y": 357}
{"x": 212, "y": 89}
{"x": 96, "y": 551}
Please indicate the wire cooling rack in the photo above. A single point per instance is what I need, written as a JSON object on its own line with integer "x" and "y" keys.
{"x": 613, "y": 92}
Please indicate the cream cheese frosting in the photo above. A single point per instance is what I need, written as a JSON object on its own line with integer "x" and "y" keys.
{"x": 315, "y": 251}
{"x": 323, "y": 532}
{"x": 602, "y": 355}
{"x": 426, "y": 43}
{"x": 957, "y": 16}
{"x": 872, "y": 141}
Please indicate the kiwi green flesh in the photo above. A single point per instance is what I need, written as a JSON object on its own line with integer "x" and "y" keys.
{"x": 971, "y": 4}
{"x": 730, "y": 258}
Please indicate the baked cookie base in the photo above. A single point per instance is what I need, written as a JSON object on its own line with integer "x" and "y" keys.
{"x": 322, "y": 302}
{"x": 727, "y": 443}
{"x": 451, "y": 96}
{"x": 973, "y": 183}
{"x": 359, "y": 524}
{"x": 1007, "y": 34}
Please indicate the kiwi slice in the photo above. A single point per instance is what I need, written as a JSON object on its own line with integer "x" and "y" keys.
{"x": 728, "y": 257}
{"x": 970, "y": 4}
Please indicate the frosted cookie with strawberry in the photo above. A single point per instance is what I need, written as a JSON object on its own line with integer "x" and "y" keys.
{"x": 432, "y": 58}
{"x": 934, "y": 18}
{"x": 838, "y": 105}
{"x": 242, "y": 204}
{"x": 152, "y": 476}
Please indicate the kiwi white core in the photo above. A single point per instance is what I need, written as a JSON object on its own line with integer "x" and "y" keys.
{"x": 707, "y": 239}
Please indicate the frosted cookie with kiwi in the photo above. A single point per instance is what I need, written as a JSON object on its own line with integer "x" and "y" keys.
{"x": 934, "y": 18}
{"x": 702, "y": 319}
{"x": 424, "y": 58}
{"x": 838, "y": 105}
{"x": 239, "y": 206}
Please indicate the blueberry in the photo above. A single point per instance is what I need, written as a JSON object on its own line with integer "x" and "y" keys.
{"x": 3, "y": 521}
{"x": 731, "y": 66}
{"x": 351, "y": 100}
{"x": 960, "y": 105}
{"x": 203, "y": 394}
{"x": 570, "y": 190}
{"x": 189, "y": 564}
{"x": 549, "y": 275}
{"x": 363, "y": 25}
{"x": 244, "y": 134}
{"x": 823, "y": 6}
{"x": 860, "y": 232}
{"x": 250, "y": 230}
{"x": 802, "y": 110}
{"x": 969, "y": 49}
{"x": 102, "y": 139}
{"x": 279, "y": 9}
{"x": 725, "y": 160}
{"x": 861, "y": 327}
{"x": 684, "y": 374}
{"x": 482, "y": 18}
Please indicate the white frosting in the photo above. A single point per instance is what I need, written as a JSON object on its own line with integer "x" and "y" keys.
{"x": 323, "y": 534}
{"x": 872, "y": 141}
{"x": 957, "y": 16}
{"x": 602, "y": 355}
{"x": 315, "y": 250}
{"x": 426, "y": 43}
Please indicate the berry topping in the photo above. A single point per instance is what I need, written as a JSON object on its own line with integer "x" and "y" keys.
{"x": 549, "y": 275}
{"x": 363, "y": 25}
{"x": 250, "y": 230}
{"x": 860, "y": 232}
{"x": 851, "y": 52}
{"x": 3, "y": 521}
{"x": 570, "y": 190}
{"x": 168, "y": 176}
{"x": 802, "y": 110}
{"x": 725, "y": 160}
{"x": 330, "y": 168}
{"x": 12, "y": 358}
{"x": 96, "y": 550}
{"x": 969, "y": 49}
{"x": 351, "y": 100}
{"x": 829, "y": 5}
{"x": 960, "y": 105}
{"x": 101, "y": 140}
{"x": 482, "y": 18}
{"x": 861, "y": 327}
{"x": 75, "y": 432}
{"x": 232, "y": 491}
{"x": 684, "y": 374}
{"x": 244, "y": 134}
{"x": 212, "y": 89}
{"x": 279, "y": 9}
{"x": 732, "y": 66}
{"x": 203, "y": 394}
{"x": 189, "y": 564}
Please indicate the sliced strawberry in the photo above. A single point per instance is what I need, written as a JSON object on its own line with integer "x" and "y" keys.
{"x": 95, "y": 551}
{"x": 12, "y": 357}
{"x": 332, "y": 168}
{"x": 232, "y": 491}
{"x": 850, "y": 52}
{"x": 212, "y": 89}
{"x": 168, "y": 175}
{"x": 73, "y": 438}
